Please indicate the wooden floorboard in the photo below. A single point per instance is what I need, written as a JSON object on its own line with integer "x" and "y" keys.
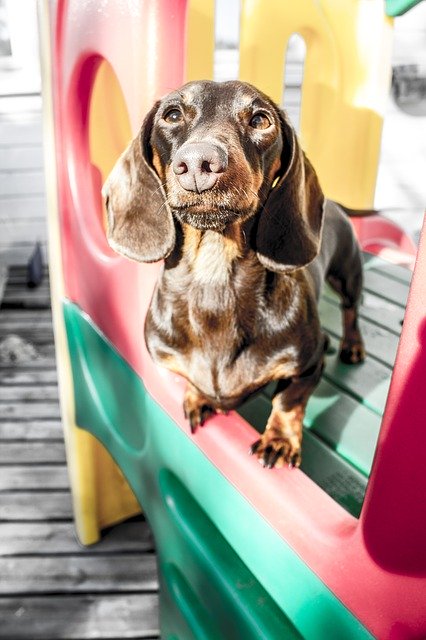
{"x": 51, "y": 587}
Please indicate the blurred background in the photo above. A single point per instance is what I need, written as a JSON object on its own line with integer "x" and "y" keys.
{"x": 401, "y": 184}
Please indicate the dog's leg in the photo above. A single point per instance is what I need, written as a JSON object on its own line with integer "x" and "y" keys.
{"x": 349, "y": 288}
{"x": 282, "y": 440}
{"x": 196, "y": 407}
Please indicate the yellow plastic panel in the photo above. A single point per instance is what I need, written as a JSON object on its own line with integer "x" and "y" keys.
{"x": 347, "y": 74}
{"x": 200, "y": 41}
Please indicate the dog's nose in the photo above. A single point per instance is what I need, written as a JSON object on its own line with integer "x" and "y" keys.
{"x": 197, "y": 165}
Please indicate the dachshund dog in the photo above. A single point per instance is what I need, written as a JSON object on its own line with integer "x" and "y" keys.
{"x": 217, "y": 185}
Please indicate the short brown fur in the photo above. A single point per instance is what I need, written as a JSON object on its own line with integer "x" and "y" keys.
{"x": 245, "y": 256}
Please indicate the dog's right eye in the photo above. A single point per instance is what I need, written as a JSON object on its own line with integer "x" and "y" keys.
{"x": 173, "y": 116}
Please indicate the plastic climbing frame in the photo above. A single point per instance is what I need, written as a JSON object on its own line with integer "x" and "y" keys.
{"x": 242, "y": 553}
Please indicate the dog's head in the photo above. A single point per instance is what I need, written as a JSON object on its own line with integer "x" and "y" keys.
{"x": 210, "y": 155}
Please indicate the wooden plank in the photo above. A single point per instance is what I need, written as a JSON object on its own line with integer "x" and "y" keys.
{"x": 19, "y": 182}
{"x": 32, "y": 452}
{"x": 16, "y": 296}
{"x": 35, "y": 506}
{"x": 33, "y": 478}
{"x": 45, "y": 360}
{"x": 53, "y": 538}
{"x": 29, "y": 393}
{"x": 42, "y": 329}
{"x": 31, "y": 430}
{"x": 30, "y": 410}
{"x": 23, "y": 317}
{"x": 99, "y": 616}
{"x": 18, "y": 274}
{"x": 21, "y": 157}
{"x": 17, "y": 376}
{"x": 77, "y": 574}
{"x": 26, "y": 130}
{"x": 20, "y": 282}
{"x": 24, "y": 103}
{"x": 20, "y": 210}
{"x": 17, "y": 268}
{"x": 19, "y": 249}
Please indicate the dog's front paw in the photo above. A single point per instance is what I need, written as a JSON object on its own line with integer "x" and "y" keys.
{"x": 196, "y": 408}
{"x": 277, "y": 450}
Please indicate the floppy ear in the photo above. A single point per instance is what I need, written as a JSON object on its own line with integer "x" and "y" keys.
{"x": 288, "y": 234}
{"x": 139, "y": 221}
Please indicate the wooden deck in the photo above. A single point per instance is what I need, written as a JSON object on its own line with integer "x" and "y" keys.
{"x": 51, "y": 588}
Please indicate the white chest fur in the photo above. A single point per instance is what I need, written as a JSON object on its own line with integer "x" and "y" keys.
{"x": 213, "y": 262}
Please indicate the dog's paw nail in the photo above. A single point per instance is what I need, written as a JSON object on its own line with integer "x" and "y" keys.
{"x": 254, "y": 447}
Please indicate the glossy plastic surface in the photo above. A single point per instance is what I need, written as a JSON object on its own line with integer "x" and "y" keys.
{"x": 219, "y": 559}
{"x": 345, "y": 85}
{"x": 92, "y": 68}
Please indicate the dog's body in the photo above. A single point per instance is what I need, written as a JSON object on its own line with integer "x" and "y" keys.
{"x": 237, "y": 212}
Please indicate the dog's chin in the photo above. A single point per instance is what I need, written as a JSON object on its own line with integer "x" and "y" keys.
{"x": 207, "y": 220}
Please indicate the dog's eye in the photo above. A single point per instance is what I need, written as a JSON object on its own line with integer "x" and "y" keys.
{"x": 260, "y": 121}
{"x": 173, "y": 116}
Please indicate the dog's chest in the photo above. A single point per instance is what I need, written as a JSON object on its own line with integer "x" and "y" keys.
{"x": 212, "y": 261}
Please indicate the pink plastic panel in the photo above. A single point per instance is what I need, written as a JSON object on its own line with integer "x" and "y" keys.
{"x": 386, "y": 239}
{"x": 143, "y": 41}
{"x": 394, "y": 517}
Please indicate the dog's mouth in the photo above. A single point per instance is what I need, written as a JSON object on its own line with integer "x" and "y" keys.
{"x": 213, "y": 209}
{"x": 202, "y": 219}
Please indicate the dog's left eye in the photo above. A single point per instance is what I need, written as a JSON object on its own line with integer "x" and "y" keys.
{"x": 173, "y": 116}
{"x": 260, "y": 121}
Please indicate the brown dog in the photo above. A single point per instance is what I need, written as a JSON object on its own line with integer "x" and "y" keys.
{"x": 217, "y": 185}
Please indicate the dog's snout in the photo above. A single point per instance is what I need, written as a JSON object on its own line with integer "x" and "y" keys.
{"x": 198, "y": 165}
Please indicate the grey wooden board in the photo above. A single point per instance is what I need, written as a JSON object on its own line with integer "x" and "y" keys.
{"x": 23, "y": 318}
{"x": 54, "y": 538}
{"x": 29, "y": 393}
{"x": 19, "y": 210}
{"x": 78, "y": 574}
{"x": 28, "y": 156}
{"x": 44, "y": 429}
{"x": 18, "y": 296}
{"x": 25, "y": 129}
{"x": 20, "y": 376}
{"x": 100, "y": 616}
{"x": 14, "y": 230}
{"x": 32, "y": 453}
{"x": 18, "y": 249}
{"x": 29, "y": 411}
{"x": 33, "y": 478}
{"x": 20, "y": 182}
{"x": 33, "y": 505}
{"x": 45, "y": 359}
